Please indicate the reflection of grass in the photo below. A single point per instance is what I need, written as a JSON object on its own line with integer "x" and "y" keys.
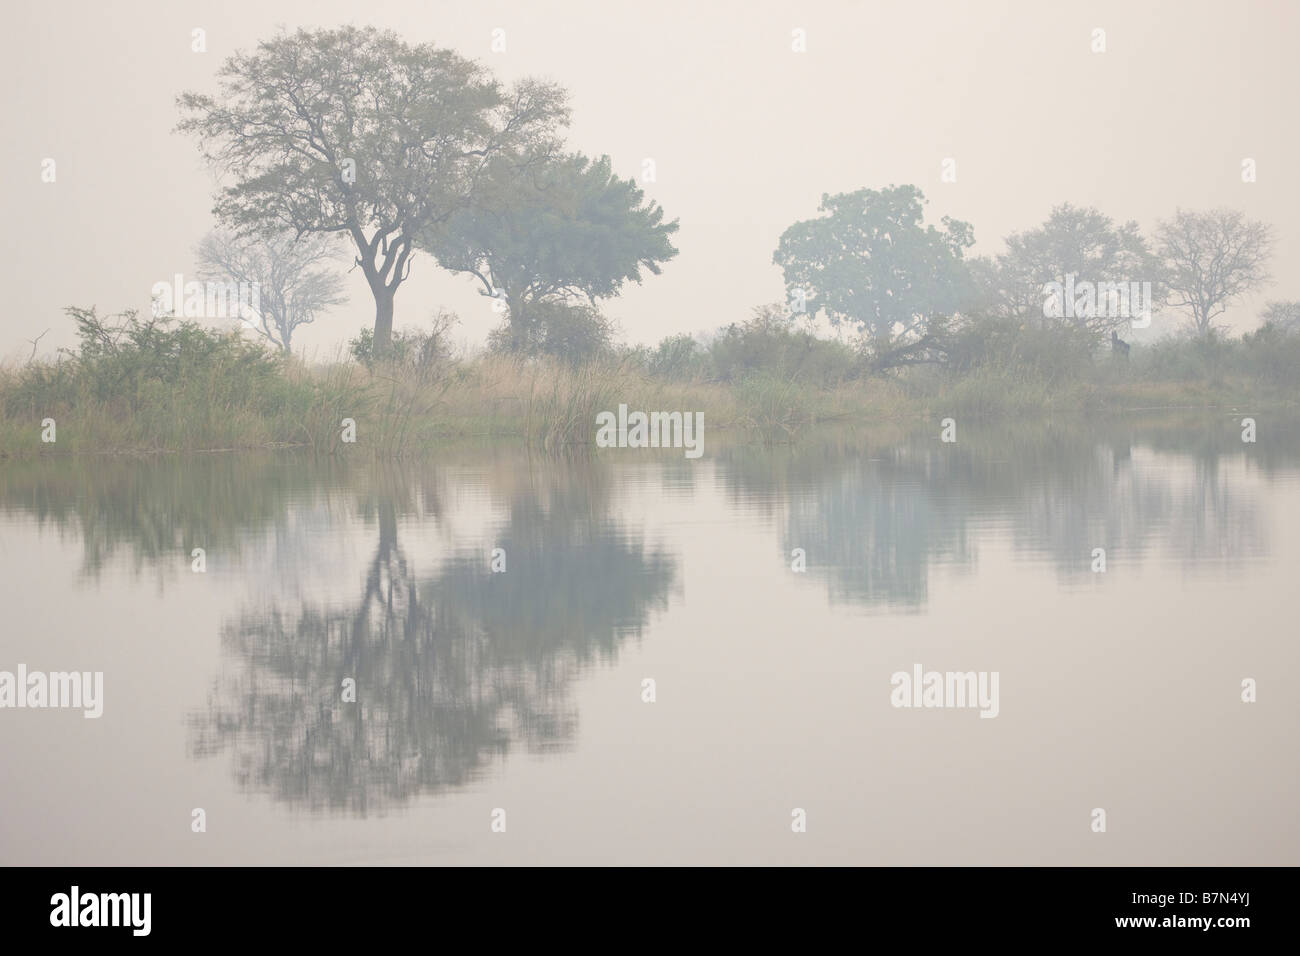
{"x": 158, "y": 510}
{"x": 230, "y": 403}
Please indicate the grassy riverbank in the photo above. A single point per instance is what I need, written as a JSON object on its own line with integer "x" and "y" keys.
{"x": 148, "y": 387}
{"x": 542, "y": 403}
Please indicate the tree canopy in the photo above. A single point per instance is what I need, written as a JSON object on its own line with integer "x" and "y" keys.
{"x": 355, "y": 131}
{"x": 871, "y": 261}
{"x": 554, "y": 229}
{"x": 1079, "y": 242}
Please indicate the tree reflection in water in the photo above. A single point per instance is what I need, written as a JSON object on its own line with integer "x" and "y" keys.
{"x": 452, "y": 666}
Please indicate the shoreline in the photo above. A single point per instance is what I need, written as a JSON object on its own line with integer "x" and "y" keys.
{"x": 129, "y": 438}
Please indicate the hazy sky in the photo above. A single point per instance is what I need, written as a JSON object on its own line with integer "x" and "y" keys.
{"x": 745, "y": 133}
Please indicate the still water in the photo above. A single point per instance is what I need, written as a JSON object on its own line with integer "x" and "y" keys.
{"x": 524, "y": 690}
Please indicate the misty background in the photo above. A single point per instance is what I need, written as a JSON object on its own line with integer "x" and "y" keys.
{"x": 745, "y": 134}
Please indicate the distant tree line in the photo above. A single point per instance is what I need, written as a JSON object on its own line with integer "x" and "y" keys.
{"x": 912, "y": 293}
{"x": 353, "y": 138}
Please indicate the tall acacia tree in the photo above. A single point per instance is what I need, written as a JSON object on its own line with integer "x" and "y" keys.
{"x": 354, "y": 131}
{"x": 548, "y": 230}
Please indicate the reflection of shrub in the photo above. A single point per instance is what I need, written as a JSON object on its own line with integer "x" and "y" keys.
{"x": 574, "y": 333}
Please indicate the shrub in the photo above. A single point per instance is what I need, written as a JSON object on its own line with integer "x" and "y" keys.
{"x": 678, "y": 357}
{"x": 424, "y": 352}
{"x": 769, "y": 342}
{"x": 125, "y": 357}
{"x": 1055, "y": 353}
{"x": 1274, "y": 352}
{"x": 1189, "y": 357}
{"x": 573, "y": 333}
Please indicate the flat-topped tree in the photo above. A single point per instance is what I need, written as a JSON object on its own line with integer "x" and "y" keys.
{"x": 550, "y": 229}
{"x": 354, "y": 131}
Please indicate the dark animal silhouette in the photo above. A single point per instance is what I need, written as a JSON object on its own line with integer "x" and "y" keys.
{"x": 1118, "y": 346}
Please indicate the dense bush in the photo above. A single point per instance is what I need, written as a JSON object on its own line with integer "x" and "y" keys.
{"x": 127, "y": 359}
{"x": 571, "y": 332}
{"x": 1053, "y": 353}
{"x": 772, "y": 343}
{"x": 678, "y": 357}
{"x": 769, "y": 343}
{"x": 1187, "y": 358}
{"x": 1273, "y": 351}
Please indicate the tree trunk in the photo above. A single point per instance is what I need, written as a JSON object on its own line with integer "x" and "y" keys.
{"x": 284, "y": 325}
{"x": 519, "y": 337}
{"x": 383, "y": 321}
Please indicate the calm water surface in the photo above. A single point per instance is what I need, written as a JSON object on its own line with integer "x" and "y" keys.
{"x": 523, "y": 690}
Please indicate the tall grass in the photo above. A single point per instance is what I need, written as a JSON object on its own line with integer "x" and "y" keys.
{"x": 150, "y": 386}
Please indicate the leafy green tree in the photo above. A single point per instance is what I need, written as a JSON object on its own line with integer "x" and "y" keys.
{"x": 357, "y": 132}
{"x": 870, "y": 261}
{"x": 554, "y": 230}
